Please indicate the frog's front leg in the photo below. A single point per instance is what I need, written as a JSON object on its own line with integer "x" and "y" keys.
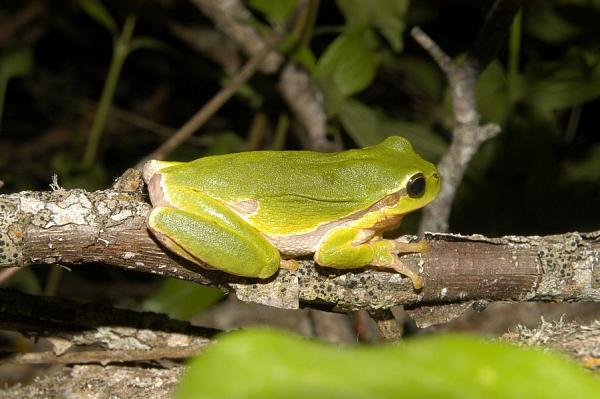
{"x": 350, "y": 247}
{"x": 208, "y": 233}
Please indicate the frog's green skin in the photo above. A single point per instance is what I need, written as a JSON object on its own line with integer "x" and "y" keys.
{"x": 241, "y": 213}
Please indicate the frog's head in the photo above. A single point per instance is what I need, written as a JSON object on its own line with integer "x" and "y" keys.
{"x": 417, "y": 181}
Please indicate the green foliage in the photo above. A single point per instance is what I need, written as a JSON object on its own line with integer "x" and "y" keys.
{"x": 350, "y": 62}
{"x": 585, "y": 170}
{"x": 146, "y": 43}
{"x": 121, "y": 49}
{"x": 387, "y": 16}
{"x": 492, "y": 94}
{"x": 572, "y": 81}
{"x": 360, "y": 122}
{"x": 268, "y": 364}
{"x": 16, "y": 62}
{"x": 25, "y": 280}
{"x": 368, "y": 127}
{"x": 276, "y": 11}
{"x": 549, "y": 26}
{"x": 423, "y": 75}
{"x": 98, "y": 12}
{"x": 182, "y": 299}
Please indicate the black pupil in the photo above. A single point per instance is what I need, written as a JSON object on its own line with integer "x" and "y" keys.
{"x": 416, "y": 186}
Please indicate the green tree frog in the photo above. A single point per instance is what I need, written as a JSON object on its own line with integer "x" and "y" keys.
{"x": 250, "y": 213}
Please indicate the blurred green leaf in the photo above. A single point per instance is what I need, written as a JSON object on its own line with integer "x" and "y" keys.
{"x": 422, "y": 73}
{"x": 182, "y": 299}
{"x": 491, "y": 91}
{"x": 96, "y": 10}
{"x": 360, "y": 122}
{"x": 387, "y": 16}
{"x": 276, "y": 11}
{"x": 571, "y": 80}
{"x": 585, "y": 170}
{"x": 547, "y": 25}
{"x": 367, "y": 127}
{"x": 16, "y": 62}
{"x": 333, "y": 98}
{"x": 146, "y": 43}
{"x": 25, "y": 280}
{"x": 268, "y": 364}
{"x": 356, "y": 12}
{"x": 304, "y": 56}
{"x": 425, "y": 141}
{"x": 557, "y": 94}
{"x": 351, "y": 61}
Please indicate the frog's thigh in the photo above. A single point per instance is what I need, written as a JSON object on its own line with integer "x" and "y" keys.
{"x": 348, "y": 248}
{"x": 205, "y": 231}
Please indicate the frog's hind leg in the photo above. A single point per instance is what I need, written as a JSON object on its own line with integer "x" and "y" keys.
{"x": 206, "y": 232}
{"x": 176, "y": 248}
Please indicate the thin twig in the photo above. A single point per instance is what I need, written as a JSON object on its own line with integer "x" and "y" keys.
{"x": 387, "y": 324}
{"x": 435, "y": 51}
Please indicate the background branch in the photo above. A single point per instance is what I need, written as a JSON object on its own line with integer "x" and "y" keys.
{"x": 96, "y": 333}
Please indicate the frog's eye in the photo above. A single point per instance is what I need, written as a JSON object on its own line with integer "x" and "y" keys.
{"x": 416, "y": 186}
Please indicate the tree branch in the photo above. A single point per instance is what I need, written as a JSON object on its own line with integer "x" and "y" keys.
{"x": 93, "y": 381}
{"x": 579, "y": 341}
{"x": 76, "y": 227}
{"x": 96, "y": 333}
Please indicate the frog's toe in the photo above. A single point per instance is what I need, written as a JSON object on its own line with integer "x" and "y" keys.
{"x": 409, "y": 271}
{"x": 410, "y": 247}
{"x": 289, "y": 264}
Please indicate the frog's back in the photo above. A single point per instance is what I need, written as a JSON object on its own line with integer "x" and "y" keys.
{"x": 294, "y": 190}
{"x": 332, "y": 177}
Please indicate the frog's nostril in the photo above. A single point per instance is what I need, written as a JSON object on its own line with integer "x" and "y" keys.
{"x": 436, "y": 176}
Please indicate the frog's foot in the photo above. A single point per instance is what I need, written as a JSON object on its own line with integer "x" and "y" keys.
{"x": 409, "y": 271}
{"x": 289, "y": 264}
{"x": 410, "y": 247}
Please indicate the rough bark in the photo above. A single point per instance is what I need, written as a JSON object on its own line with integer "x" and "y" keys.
{"x": 578, "y": 341}
{"x": 100, "y": 382}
